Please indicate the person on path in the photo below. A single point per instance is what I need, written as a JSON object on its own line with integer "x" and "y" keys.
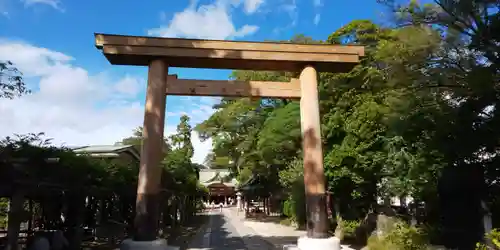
{"x": 221, "y": 206}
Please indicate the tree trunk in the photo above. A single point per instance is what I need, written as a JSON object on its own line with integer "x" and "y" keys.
{"x": 14, "y": 220}
{"x": 76, "y": 207}
{"x": 166, "y": 218}
{"x": 30, "y": 221}
{"x": 174, "y": 211}
{"x": 183, "y": 211}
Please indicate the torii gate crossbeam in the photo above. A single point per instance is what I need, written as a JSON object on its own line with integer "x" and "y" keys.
{"x": 161, "y": 53}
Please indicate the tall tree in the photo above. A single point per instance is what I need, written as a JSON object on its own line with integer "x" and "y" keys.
{"x": 11, "y": 81}
{"x": 467, "y": 73}
{"x": 177, "y": 161}
{"x": 182, "y": 139}
{"x": 136, "y": 140}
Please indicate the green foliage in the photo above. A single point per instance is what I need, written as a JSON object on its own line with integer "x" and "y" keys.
{"x": 4, "y": 204}
{"x": 292, "y": 179}
{"x": 11, "y": 81}
{"x": 47, "y": 164}
{"x": 349, "y": 227}
{"x": 287, "y": 222}
{"x": 294, "y": 207}
{"x": 299, "y": 203}
{"x": 136, "y": 140}
{"x": 493, "y": 237}
{"x": 346, "y": 229}
{"x": 422, "y": 102}
{"x": 245, "y": 175}
{"x": 400, "y": 236}
{"x": 292, "y": 174}
{"x": 279, "y": 138}
{"x": 182, "y": 174}
{"x": 288, "y": 209}
{"x": 367, "y": 152}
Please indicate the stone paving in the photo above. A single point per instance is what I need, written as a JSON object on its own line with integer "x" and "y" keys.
{"x": 228, "y": 230}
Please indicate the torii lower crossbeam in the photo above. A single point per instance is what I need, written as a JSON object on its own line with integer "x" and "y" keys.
{"x": 289, "y": 90}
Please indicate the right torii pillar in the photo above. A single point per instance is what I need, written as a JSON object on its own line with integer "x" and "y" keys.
{"x": 317, "y": 237}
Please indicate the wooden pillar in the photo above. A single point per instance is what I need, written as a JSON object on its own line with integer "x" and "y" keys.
{"x": 30, "y": 221}
{"x": 75, "y": 219}
{"x": 15, "y": 212}
{"x": 314, "y": 179}
{"x": 148, "y": 190}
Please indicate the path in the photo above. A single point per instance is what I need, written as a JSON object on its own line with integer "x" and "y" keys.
{"x": 224, "y": 233}
{"x": 229, "y": 231}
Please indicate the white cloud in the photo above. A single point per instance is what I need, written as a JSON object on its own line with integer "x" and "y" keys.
{"x": 317, "y": 4}
{"x": 291, "y": 9}
{"x": 251, "y": 6}
{"x": 317, "y": 18}
{"x": 246, "y": 30}
{"x": 211, "y": 21}
{"x": 200, "y": 108}
{"x": 56, "y": 4}
{"x": 201, "y": 149}
{"x": 71, "y": 105}
{"x": 129, "y": 86}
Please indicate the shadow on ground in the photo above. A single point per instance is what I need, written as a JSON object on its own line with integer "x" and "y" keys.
{"x": 225, "y": 236}
{"x": 266, "y": 219}
{"x": 177, "y": 236}
{"x": 182, "y": 236}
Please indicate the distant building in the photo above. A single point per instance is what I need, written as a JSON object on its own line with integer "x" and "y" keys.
{"x": 127, "y": 153}
{"x": 220, "y": 184}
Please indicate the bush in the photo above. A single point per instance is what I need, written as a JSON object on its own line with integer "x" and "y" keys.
{"x": 299, "y": 203}
{"x": 288, "y": 208}
{"x": 349, "y": 227}
{"x": 400, "y": 236}
{"x": 286, "y": 222}
{"x": 294, "y": 207}
{"x": 433, "y": 232}
{"x": 292, "y": 179}
{"x": 493, "y": 237}
{"x": 4, "y": 203}
{"x": 346, "y": 229}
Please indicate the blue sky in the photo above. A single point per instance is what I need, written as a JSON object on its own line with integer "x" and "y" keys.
{"x": 79, "y": 98}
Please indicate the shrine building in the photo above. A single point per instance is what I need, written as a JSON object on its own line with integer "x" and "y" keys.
{"x": 220, "y": 184}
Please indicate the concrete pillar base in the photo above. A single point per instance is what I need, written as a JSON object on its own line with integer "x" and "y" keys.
{"x": 159, "y": 244}
{"x": 305, "y": 243}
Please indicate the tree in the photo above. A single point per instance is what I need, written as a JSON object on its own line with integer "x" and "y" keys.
{"x": 181, "y": 174}
{"x": 177, "y": 161}
{"x": 467, "y": 73}
{"x": 182, "y": 140}
{"x": 136, "y": 140}
{"x": 11, "y": 81}
{"x": 417, "y": 117}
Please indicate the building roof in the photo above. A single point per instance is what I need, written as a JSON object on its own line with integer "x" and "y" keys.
{"x": 107, "y": 150}
{"x": 100, "y": 148}
{"x": 211, "y": 176}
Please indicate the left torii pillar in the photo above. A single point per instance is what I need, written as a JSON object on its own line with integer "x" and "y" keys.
{"x": 148, "y": 190}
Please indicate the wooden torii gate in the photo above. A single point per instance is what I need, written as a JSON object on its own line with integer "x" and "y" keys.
{"x": 161, "y": 53}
